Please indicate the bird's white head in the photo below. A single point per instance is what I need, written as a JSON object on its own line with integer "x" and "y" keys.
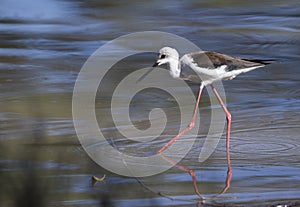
{"x": 167, "y": 55}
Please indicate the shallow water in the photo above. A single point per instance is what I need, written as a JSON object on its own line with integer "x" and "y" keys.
{"x": 43, "y": 47}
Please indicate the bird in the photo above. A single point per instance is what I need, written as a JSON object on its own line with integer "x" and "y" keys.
{"x": 204, "y": 68}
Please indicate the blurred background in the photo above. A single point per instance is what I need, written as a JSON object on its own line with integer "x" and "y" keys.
{"x": 43, "y": 45}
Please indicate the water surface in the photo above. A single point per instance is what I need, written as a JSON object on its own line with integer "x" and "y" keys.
{"x": 43, "y": 47}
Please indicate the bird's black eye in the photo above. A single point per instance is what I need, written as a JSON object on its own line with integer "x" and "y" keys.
{"x": 162, "y": 56}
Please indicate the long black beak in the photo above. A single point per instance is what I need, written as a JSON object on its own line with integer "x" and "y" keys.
{"x": 149, "y": 71}
{"x": 155, "y": 64}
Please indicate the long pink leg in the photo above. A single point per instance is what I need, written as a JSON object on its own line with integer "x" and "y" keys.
{"x": 189, "y": 127}
{"x": 228, "y": 118}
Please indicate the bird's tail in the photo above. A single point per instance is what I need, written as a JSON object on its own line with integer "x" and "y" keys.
{"x": 261, "y": 61}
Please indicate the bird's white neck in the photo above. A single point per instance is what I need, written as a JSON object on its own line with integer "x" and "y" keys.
{"x": 175, "y": 68}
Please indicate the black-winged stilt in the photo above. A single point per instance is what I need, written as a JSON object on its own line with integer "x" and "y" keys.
{"x": 204, "y": 67}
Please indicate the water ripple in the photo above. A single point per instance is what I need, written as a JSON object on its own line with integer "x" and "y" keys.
{"x": 265, "y": 148}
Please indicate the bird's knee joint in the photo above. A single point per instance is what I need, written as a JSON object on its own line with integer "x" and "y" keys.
{"x": 228, "y": 117}
{"x": 191, "y": 173}
{"x": 191, "y": 125}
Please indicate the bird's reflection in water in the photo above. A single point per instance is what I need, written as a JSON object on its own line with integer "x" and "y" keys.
{"x": 194, "y": 180}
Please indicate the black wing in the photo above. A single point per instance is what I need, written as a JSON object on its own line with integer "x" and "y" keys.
{"x": 212, "y": 60}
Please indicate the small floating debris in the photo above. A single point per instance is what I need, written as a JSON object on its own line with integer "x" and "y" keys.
{"x": 95, "y": 179}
